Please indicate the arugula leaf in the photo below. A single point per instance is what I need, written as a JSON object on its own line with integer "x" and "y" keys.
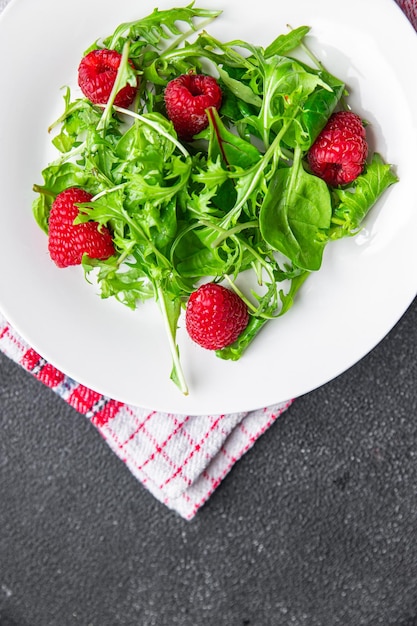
{"x": 288, "y": 42}
{"x": 257, "y": 322}
{"x": 354, "y": 203}
{"x": 171, "y": 308}
{"x": 158, "y": 26}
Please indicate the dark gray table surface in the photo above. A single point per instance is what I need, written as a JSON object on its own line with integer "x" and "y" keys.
{"x": 315, "y": 526}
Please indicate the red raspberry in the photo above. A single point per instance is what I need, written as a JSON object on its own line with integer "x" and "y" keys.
{"x": 68, "y": 242}
{"x": 215, "y": 316}
{"x": 339, "y": 153}
{"x": 96, "y": 75}
{"x": 187, "y": 98}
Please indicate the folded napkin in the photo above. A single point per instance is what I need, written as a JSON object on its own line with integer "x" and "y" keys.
{"x": 180, "y": 459}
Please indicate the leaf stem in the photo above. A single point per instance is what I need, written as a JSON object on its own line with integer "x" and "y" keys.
{"x": 225, "y": 234}
{"x": 191, "y": 31}
{"x": 179, "y": 378}
{"x": 155, "y": 126}
{"x": 116, "y": 87}
{"x": 240, "y": 294}
{"x": 255, "y": 172}
{"x": 104, "y": 192}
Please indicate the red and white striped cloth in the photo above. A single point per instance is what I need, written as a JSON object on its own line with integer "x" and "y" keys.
{"x": 180, "y": 459}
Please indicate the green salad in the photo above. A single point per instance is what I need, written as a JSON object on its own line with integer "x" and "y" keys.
{"x": 237, "y": 198}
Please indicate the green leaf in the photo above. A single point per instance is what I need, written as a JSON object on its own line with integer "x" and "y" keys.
{"x": 314, "y": 111}
{"x": 286, "y": 43}
{"x": 256, "y": 323}
{"x": 235, "y": 351}
{"x": 41, "y": 207}
{"x": 287, "y": 87}
{"x": 158, "y": 26}
{"x": 295, "y": 216}
{"x": 239, "y": 89}
{"x": 127, "y": 284}
{"x": 233, "y": 150}
{"x": 354, "y": 203}
{"x": 170, "y": 309}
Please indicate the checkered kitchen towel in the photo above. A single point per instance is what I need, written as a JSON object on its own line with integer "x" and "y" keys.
{"x": 410, "y": 9}
{"x": 180, "y": 459}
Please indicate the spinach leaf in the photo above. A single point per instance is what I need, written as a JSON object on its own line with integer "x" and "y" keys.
{"x": 296, "y": 214}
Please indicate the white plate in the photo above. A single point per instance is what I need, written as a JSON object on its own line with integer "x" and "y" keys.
{"x": 343, "y": 311}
